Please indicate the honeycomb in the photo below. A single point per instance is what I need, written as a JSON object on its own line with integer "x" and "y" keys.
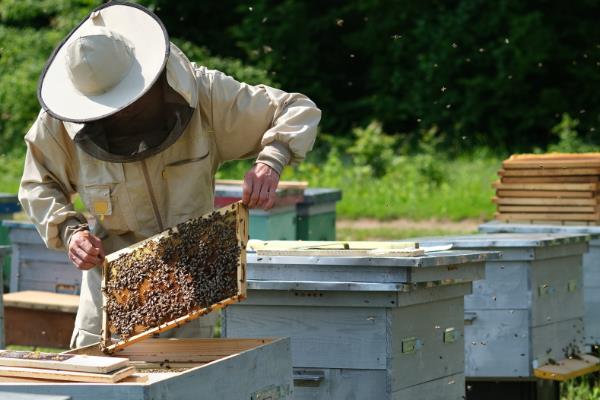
{"x": 193, "y": 266}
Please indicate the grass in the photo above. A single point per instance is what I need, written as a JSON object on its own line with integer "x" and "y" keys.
{"x": 11, "y": 168}
{"x": 34, "y": 348}
{"x": 580, "y": 389}
{"x": 449, "y": 189}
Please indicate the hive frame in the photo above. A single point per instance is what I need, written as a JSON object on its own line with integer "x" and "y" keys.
{"x": 108, "y": 346}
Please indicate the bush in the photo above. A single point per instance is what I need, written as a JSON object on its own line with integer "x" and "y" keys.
{"x": 372, "y": 149}
{"x": 569, "y": 139}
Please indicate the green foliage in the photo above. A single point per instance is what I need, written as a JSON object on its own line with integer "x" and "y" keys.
{"x": 429, "y": 160}
{"x": 487, "y": 73}
{"x": 230, "y": 66}
{"x": 372, "y": 148}
{"x": 29, "y": 31}
{"x": 23, "y": 54}
{"x": 579, "y": 389}
{"x": 418, "y": 186}
{"x": 11, "y": 169}
{"x": 569, "y": 138}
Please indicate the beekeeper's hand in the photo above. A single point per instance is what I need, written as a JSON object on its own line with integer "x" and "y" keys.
{"x": 85, "y": 250}
{"x": 260, "y": 184}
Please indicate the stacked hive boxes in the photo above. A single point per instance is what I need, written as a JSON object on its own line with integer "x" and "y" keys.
{"x": 364, "y": 327}
{"x": 549, "y": 188}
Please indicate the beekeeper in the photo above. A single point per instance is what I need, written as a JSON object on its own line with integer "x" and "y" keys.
{"x": 139, "y": 131}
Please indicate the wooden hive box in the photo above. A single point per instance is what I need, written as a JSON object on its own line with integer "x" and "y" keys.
{"x": 385, "y": 327}
{"x": 528, "y": 311}
{"x": 184, "y": 369}
{"x": 591, "y": 267}
{"x": 34, "y": 266}
{"x": 176, "y": 276}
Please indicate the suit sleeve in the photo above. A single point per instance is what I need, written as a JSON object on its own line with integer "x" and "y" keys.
{"x": 46, "y": 186}
{"x": 277, "y": 127}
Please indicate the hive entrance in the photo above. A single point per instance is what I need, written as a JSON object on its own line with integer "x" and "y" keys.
{"x": 174, "y": 277}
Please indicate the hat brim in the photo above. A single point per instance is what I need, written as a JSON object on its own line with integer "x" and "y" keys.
{"x": 150, "y": 41}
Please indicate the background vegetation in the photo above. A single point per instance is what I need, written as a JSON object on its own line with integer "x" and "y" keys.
{"x": 420, "y": 99}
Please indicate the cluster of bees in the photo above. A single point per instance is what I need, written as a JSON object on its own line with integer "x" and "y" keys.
{"x": 34, "y": 355}
{"x": 192, "y": 267}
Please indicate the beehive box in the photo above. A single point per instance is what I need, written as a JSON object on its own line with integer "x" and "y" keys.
{"x": 190, "y": 270}
{"x": 194, "y": 369}
{"x": 591, "y": 267}
{"x": 317, "y": 215}
{"x": 278, "y": 223}
{"x": 528, "y": 312}
{"x": 9, "y": 204}
{"x": 364, "y": 327}
{"x": 35, "y": 267}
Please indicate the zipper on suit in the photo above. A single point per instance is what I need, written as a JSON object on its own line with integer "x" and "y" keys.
{"x": 152, "y": 198}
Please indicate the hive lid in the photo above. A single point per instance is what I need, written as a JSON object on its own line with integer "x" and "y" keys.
{"x": 321, "y": 195}
{"x": 505, "y": 240}
{"x": 502, "y": 227}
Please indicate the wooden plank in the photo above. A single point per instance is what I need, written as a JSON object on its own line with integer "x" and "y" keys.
{"x": 552, "y": 164}
{"x": 138, "y": 377}
{"x": 64, "y": 362}
{"x": 567, "y": 369}
{"x": 545, "y": 193}
{"x": 549, "y": 179}
{"x": 553, "y": 156}
{"x": 71, "y": 376}
{"x": 37, "y": 300}
{"x": 545, "y": 201}
{"x": 335, "y": 248}
{"x": 571, "y": 187}
{"x": 344, "y": 253}
{"x": 583, "y": 162}
{"x": 112, "y": 347}
{"x": 548, "y": 217}
{"x": 189, "y": 350}
{"x": 242, "y": 220}
{"x": 327, "y": 245}
{"x": 241, "y": 236}
{"x": 550, "y": 172}
{"x": 548, "y": 209}
{"x": 281, "y": 185}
